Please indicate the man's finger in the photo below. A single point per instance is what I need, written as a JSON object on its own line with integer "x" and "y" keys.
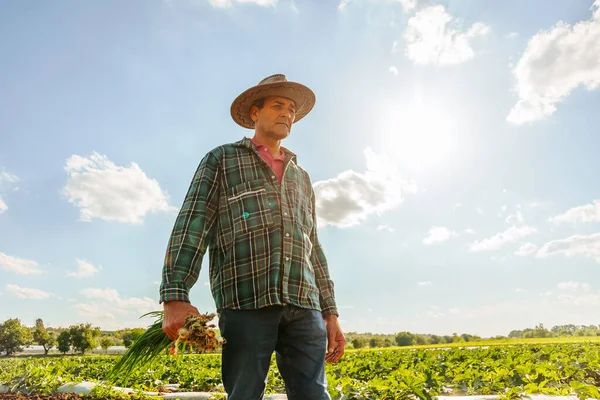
{"x": 339, "y": 353}
{"x": 331, "y": 345}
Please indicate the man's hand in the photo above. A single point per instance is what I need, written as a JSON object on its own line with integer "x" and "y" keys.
{"x": 175, "y": 313}
{"x": 335, "y": 339}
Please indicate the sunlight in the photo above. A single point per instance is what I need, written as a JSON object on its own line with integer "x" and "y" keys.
{"x": 420, "y": 136}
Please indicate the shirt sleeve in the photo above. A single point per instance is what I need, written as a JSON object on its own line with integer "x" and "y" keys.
{"x": 193, "y": 232}
{"x": 319, "y": 262}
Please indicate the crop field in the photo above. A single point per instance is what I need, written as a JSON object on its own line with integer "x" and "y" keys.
{"x": 398, "y": 373}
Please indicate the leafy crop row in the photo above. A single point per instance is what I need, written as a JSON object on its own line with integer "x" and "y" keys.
{"x": 511, "y": 371}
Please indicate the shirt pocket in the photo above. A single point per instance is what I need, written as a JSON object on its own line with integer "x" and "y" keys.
{"x": 249, "y": 206}
{"x": 302, "y": 206}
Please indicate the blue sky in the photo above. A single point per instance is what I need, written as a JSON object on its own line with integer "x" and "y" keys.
{"x": 453, "y": 148}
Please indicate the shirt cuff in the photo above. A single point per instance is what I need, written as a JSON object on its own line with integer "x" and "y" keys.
{"x": 174, "y": 292}
{"x": 329, "y": 310}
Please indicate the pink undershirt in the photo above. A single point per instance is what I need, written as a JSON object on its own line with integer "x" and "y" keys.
{"x": 276, "y": 163}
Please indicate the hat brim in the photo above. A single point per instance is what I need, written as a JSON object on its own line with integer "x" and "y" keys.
{"x": 300, "y": 94}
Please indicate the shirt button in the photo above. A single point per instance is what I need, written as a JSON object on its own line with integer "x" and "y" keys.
{"x": 273, "y": 176}
{"x": 285, "y": 213}
{"x": 287, "y": 259}
{"x": 287, "y": 235}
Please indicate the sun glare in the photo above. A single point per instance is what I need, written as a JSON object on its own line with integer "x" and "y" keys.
{"x": 419, "y": 136}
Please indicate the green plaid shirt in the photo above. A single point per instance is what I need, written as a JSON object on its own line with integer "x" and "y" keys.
{"x": 261, "y": 235}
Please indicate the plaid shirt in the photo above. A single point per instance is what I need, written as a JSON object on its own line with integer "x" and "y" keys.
{"x": 261, "y": 235}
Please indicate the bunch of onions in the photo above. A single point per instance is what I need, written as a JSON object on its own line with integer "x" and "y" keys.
{"x": 196, "y": 336}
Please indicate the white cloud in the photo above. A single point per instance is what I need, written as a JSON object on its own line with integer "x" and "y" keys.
{"x": 114, "y": 299}
{"x": 19, "y": 265}
{"x": 482, "y": 311}
{"x": 101, "y": 189}
{"x": 84, "y": 269}
{"x": 109, "y": 295}
{"x": 394, "y": 70}
{"x": 573, "y": 286}
{"x": 97, "y": 313}
{"x": 293, "y": 7}
{"x": 27, "y": 293}
{"x": 229, "y": 3}
{"x": 351, "y": 197}
{"x": 408, "y": 5}
{"x": 501, "y": 239}
{"x": 585, "y": 299}
{"x": 427, "y": 283}
{"x": 577, "y": 294}
{"x": 576, "y": 245}
{"x": 433, "y": 37}
{"x": 438, "y": 234}
{"x": 515, "y": 219}
{"x": 8, "y": 177}
{"x": 384, "y": 227}
{"x": 512, "y": 35}
{"x": 469, "y": 231}
{"x": 526, "y": 250}
{"x": 585, "y": 213}
{"x": 556, "y": 62}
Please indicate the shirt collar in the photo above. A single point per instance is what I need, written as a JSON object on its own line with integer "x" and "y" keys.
{"x": 246, "y": 142}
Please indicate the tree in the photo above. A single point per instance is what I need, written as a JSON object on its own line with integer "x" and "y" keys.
{"x": 130, "y": 336}
{"x": 42, "y": 336}
{"x": 404, "y": 339}
{"x": 541, "y": 332}
{"x": 106, "y": 342}
{"x": 420, "y": 339}
{"x": 64, "y": 341}
{"x": 13, "y": 336}
{"x": 359, "y": 343}
{"x": 83, "y": 337}
{"x": 435, "y": 339}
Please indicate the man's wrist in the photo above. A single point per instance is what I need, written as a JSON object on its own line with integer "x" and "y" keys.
{"x": 330, "y": 317}
{"x": 174, "y": 291}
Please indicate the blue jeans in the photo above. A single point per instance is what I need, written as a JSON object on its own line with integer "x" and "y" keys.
{"x": 299, "y": 338}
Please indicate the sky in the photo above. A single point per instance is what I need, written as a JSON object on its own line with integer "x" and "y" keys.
{"x": 453, "y": 149}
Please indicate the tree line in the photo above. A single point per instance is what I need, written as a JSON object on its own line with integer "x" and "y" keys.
{"x": 80, "y": 338}
{"x": 369, "y": 340}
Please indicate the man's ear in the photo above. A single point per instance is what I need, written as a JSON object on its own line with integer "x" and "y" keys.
{"x": 254, "y": 113}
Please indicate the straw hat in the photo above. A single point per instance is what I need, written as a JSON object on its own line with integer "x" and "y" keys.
{"x": 274, "y": 85}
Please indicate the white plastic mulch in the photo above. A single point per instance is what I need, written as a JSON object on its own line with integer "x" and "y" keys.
{"x": 86, "y": 387}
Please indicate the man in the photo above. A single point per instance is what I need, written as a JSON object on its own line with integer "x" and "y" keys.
{"x": 253, "y": 207}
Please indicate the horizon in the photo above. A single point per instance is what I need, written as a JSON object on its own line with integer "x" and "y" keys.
{"x": 347, "y": 332}
{"x": 453, "y": 150}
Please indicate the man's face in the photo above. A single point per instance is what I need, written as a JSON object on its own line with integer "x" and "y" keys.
{"x": 276, "y": 117}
